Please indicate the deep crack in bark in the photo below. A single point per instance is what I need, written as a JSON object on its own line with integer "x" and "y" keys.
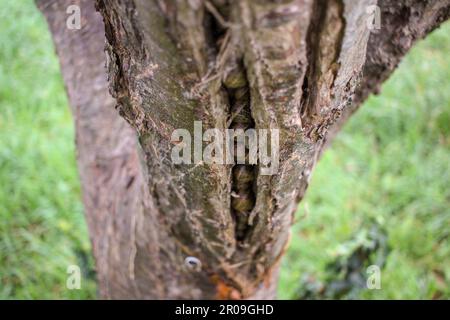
{"x": 324, "y": 41}
{"x": 234, "y": 81}
{"x": 243, "y": 183}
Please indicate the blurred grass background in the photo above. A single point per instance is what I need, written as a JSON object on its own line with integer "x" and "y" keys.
{"x": 389, "y": 168}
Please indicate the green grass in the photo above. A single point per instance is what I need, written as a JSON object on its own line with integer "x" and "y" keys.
{"x": 389, "y": 165}
{"x": 42, "y": 229}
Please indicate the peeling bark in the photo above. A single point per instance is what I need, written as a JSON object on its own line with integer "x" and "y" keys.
{"x": 213, "y": 231}
{"x": 403, "y": 24}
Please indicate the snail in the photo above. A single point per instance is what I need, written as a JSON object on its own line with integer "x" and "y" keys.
{"x": 243, "y": 175}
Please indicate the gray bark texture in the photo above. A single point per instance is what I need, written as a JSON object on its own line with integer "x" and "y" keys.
{"x": 300, "y": 66}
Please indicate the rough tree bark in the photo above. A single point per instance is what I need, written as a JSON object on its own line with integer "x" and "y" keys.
{"x": 300, "y": 66}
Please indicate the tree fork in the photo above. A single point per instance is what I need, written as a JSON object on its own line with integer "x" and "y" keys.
{"x": 306, "y": 65}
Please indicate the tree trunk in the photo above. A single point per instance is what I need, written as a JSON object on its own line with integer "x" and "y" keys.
{"x": 161, "y": 230}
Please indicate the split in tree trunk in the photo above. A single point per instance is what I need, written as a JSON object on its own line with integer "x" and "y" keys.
{"x": 166, "y": 231}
